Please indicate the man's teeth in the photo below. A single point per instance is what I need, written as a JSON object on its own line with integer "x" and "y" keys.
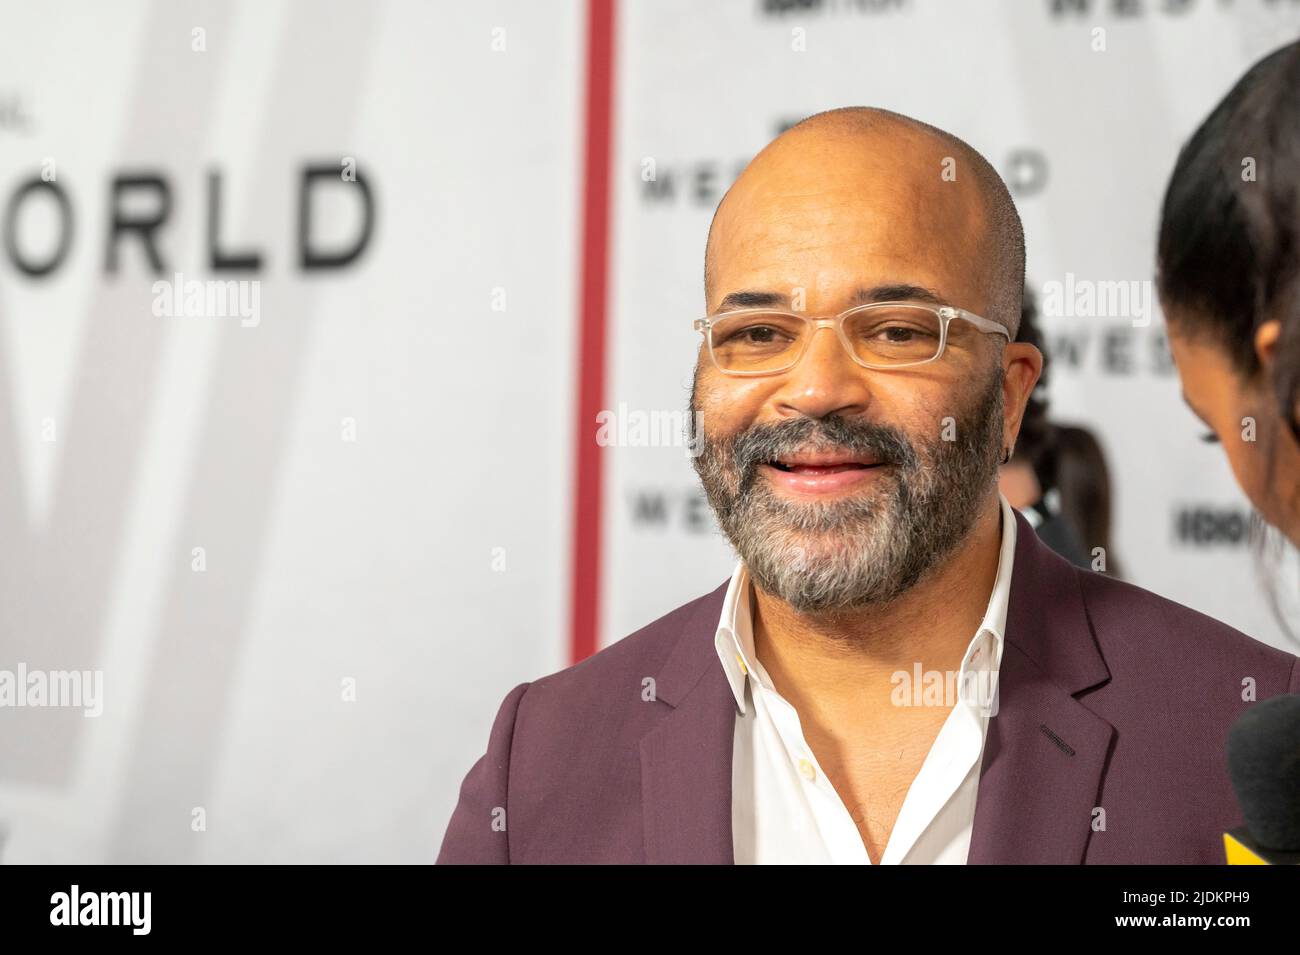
{"x": 819, "y": 467}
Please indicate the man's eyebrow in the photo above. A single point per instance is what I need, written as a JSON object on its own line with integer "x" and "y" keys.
{"x": 898, "y": 291}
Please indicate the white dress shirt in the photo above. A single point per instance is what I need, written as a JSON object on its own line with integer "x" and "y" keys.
{"x": 785, "y": 810}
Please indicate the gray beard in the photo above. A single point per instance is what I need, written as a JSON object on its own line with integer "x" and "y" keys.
{"x": 827, "y": 557}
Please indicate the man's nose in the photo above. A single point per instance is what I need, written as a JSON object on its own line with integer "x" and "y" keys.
{"x": 825, "y": 381}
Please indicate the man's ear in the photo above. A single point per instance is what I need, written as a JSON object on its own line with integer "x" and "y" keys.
{"x": 1022, "y": 364}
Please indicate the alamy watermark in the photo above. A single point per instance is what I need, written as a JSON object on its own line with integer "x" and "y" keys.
{"x": 656, "y": 428}
{"x": 195, "y": 298}
{"x": 83, "y": 689}
{"x": 945, "y": 688}
{"x": 1084, "y": 298}
{"x": 128, "y": 909}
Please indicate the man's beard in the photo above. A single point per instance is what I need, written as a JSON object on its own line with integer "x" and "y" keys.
{"x": 867, "y": 548}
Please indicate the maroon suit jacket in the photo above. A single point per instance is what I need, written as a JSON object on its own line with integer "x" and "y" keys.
{"x": 1109, "y": 697}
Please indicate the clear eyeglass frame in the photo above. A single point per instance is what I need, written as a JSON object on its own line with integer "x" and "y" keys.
{"x": 945, "y": 314}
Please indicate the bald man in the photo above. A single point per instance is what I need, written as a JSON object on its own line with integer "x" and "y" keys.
{"x": 898, "y": 670}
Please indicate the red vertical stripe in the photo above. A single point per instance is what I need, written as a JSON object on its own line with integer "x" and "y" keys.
{"x": 594, "y": 265}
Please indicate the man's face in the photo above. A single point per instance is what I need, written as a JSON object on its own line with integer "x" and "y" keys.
{"x": 840, "y": 486}
{"x": 846, "y": 510}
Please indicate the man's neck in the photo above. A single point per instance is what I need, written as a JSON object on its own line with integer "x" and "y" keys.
{"x": 844, "y": 664}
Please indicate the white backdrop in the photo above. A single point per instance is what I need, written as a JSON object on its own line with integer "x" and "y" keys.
{"x": 379, "y": 473}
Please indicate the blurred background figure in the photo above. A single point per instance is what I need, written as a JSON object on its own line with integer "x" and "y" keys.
{"x": 1083, "y": 486}
{"x": 1057, "y": 477}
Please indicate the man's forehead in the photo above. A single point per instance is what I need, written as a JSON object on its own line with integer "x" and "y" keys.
{"x": 877, "y": 221}
{"x": 793, "y": 197}
{"x": 840, "y": 275}
{"x": 828, "y": 211}
{"x": 832, "y": 248}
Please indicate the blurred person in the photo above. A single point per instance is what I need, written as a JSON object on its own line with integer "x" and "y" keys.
{"x": 856, "y": 388}
{"x": 1082, "y": 483}
{"x": 1062, "y": 487}
{"x": 1028, "y": 480}
{"x": 1229, "y": 284}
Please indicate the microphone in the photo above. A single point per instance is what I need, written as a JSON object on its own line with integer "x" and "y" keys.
{"x": 1264, "y": 765}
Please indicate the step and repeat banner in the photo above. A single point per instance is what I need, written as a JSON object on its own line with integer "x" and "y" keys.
{"x": 1081, "y": 106}
{"x": 291, "y": 352}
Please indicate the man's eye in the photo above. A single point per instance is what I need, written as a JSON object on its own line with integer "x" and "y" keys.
{"x": 898, "y": 334}
{"x": 754, "y": 335}
{"x": 1210, "y": 437}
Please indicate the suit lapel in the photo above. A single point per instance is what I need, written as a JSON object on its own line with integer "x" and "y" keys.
{"x": 1044, "y": 755}
{"x": 1045, "y": 752}
{"x": 686, "y": 758}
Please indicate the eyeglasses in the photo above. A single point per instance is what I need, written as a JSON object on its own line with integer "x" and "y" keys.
{"x": 761, "y": 341}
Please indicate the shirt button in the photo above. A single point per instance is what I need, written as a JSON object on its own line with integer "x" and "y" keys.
{"x": 807, "y": 770}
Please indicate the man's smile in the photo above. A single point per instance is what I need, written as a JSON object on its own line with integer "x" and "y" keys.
{"x": 817, "y": 473}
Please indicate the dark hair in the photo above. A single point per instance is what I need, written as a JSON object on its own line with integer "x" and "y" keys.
{"x": 1229, "y": 247}
{"x": 1065, "y": 458}
{"x": 1083, "y": 482}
